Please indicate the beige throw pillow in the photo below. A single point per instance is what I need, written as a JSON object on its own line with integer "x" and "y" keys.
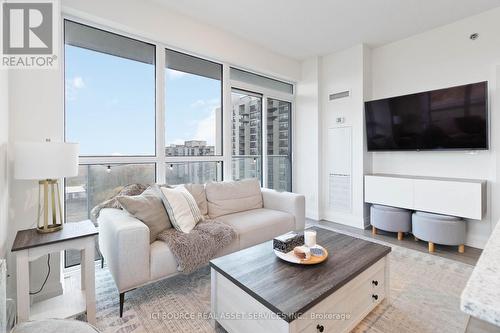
{"x": 199, "y": 194}
{"x": 181, "y": 207}
{"x": 148, "y": 208}
{"x": 232, "y": 197}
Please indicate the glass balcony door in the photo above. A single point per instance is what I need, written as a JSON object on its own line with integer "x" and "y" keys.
{"x": 279, "y": 144}
{"x": 246, "y": 135}
{"x": 261, "y": 139}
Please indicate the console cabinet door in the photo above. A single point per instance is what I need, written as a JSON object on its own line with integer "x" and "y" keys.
{"x": 390, "y": 191}
{"x": 454, "y": 198}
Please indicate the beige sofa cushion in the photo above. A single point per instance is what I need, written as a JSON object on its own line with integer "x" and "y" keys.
{"x": 199, "y": 194}
{"x": 259, "y": 225}
{"x": 232, "y": 197}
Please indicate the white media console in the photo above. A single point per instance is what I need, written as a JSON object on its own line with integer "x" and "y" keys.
{"x": 449, "y": 196}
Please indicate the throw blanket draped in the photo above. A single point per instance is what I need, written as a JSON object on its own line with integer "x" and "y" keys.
{"x": 196, "y": 248}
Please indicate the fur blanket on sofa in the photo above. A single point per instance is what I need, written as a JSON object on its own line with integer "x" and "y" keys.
{"x": 196, "y": 248}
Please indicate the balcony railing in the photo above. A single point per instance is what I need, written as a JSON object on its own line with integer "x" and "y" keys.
{"x": 246, "y": 166}
{"x": 279, "y": 172}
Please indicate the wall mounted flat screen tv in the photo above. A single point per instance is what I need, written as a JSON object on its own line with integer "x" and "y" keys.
{"x": 443, "y": 119}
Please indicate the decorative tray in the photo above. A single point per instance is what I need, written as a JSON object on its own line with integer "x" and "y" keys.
{"x": 290, "y": 257}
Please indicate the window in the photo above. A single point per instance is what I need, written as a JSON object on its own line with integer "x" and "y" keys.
{"x": 193, "y": 104}
{"x": 246, "y": 159}
{"x": 110, "y": 92}
{"x": 279, "y": 145}
{"x": 111, "y": 109}
{"x": 110, "y": 88}
{"x": 248, "y": 112}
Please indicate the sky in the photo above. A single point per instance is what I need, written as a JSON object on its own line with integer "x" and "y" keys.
{"x": 110, "y": 104}
{"x": 191, "y": 102}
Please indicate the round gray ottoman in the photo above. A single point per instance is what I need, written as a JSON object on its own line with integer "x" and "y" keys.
{"x": 54, "y": 326}
{"x": 390, "y": 219}
{"x": 439, "y": 229}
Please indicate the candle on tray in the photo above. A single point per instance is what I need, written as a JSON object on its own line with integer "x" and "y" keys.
{"x": 310, "y": 238}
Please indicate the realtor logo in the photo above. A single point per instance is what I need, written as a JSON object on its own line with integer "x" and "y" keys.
{"x": 28, "y": 34}
{"x": 27, "y": 28}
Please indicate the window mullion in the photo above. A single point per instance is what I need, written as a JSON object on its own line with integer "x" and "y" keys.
{"x": 263, "y": 153}
{"x": 160, "y": 114}
{"x": 227, "y": 108}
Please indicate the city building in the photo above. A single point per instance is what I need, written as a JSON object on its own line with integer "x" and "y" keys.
{"x": 246, "y": 140}
{"x": 190, "y": 148}
{"x": 195, "y": 171}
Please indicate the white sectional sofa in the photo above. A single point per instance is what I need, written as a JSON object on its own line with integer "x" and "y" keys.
{"x": 133, "y": 261}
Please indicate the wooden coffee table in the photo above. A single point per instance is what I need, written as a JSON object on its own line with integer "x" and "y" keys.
{"x": 254, "y": 291}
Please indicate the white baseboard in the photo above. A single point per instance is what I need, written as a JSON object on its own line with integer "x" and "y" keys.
{"x": 349, "y": 220}
{"x": 477, "y": 241}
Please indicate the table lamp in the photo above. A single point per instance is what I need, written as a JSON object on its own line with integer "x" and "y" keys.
{"x": 47, "y": 162}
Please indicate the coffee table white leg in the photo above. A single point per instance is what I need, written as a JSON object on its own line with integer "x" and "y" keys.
{"x": 23, "y": 285}
{"x": 387, "y": 282}
{"x": 89, "y": 277}
{"x": 213, "y": 290}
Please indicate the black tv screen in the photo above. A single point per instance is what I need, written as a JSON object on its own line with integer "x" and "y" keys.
{"x": 451, "y": 118}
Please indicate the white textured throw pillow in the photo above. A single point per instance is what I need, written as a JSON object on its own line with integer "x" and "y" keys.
{"x": 181, "y": 207}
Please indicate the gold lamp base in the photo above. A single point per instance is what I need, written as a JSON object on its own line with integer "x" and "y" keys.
{"x": 52, "y": 204}
{"x": 50, "y": 228}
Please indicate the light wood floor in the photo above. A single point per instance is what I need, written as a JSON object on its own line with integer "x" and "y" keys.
{"x": 470, "y": 256}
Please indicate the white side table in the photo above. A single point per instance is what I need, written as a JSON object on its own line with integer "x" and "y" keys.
{"x": 30, "y": 245}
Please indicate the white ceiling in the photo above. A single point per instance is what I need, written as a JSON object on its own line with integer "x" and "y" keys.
{"x": 303, "y": 28}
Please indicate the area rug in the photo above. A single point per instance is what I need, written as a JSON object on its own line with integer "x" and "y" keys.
{"x": 425, "y": 297}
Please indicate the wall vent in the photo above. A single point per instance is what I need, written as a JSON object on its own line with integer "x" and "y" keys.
{"x": 338, "y": 95}
{"x": 340, "y": 190}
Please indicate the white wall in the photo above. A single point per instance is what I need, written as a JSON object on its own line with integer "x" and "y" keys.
{"x": 36, "y": 96}
{"x": 343, "y": 71}
{"x": 306, "y": 137}
{"x": 151, "y": 20}
{"x": 4, "y": 179}
{"x": 440, "y": 58}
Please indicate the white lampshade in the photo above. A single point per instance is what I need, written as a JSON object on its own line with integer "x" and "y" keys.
{"x": 45, "y": 160}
